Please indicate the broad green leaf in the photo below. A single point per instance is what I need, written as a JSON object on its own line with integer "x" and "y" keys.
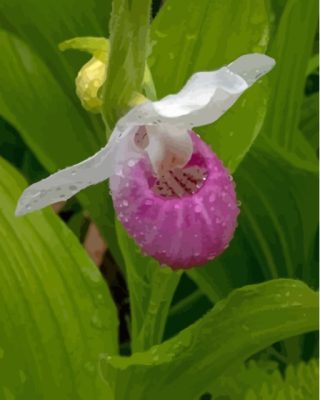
{"x": 194, "y": 36}
{"x": 129, "y": 29}
{"x": 291, "y": 48}
{"x": 56, "y": 313}
{"x": 309, "y": 122}
{"x": 277, "y": 224}
{"x": 250, "y": 319}
{"x": 34, "y": 103}
{"x": 151, "y": 288}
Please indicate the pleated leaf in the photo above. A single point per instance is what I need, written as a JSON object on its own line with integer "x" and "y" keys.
{"x": 56, "y": 314}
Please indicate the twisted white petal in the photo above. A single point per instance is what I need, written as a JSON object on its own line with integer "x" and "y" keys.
{"x": 204, "y": 98}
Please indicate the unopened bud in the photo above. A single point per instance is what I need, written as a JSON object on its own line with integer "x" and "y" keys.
{"x": 89, "y": 82}
{"x": 92, "y": 75}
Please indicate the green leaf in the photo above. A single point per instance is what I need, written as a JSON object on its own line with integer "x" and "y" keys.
{"x": 277, "y": 224}
{"x": 250, "y": 319}
{"x": 309, "y": 122}
{"x": 56, "y": 313}
{"x": 313, "y": 64}
{"x": 151, "y": 289}
{"x": 50, "y": 124}
{"x": 53, "y": 21}
{"x": 129, "y": 28}
{"x": 291, "y": 49}
{"x": 255, "y": 381}
{"x": 196, "y": 36}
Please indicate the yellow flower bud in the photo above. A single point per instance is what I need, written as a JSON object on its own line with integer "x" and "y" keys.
{"x": 89, "y": 82}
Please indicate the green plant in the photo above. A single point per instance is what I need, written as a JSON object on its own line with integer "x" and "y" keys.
{"x": 59, "y": 325}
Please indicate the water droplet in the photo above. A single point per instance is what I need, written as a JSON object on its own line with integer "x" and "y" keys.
{"x": 245, "y": 327}
{"x": 148, "y": 202}
{"x": 89, "y": 367}
{"x": 239, "y": 203}
{"x": 177, "y": 206}
{"x": 230, "y": 178}
{"x": 100, "y": 298}
{"x": 125, "y": 203}
{"x": 96, "y": 321}
{"x": 212, "y": 198}
{"x": 131, "y": 163}
{"x": 73, "y": 173}
{"x": 154, "y": 349}
{"x": 22, "y": 376}
{"x": 73, "y": 187}
{"x": 197, "y": 209}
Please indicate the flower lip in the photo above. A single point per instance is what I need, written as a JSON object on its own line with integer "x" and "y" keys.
{"x": 180, "y": 231}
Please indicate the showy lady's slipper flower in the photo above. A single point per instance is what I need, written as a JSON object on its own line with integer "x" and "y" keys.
{"x": 170, "y": 191}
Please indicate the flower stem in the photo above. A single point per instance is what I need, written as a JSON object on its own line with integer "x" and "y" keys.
{"x": 129, "y": 28}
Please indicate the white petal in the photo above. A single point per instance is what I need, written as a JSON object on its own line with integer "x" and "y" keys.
{"x": 207, "y": 95}
{"x": 252, "y": 66}
{"x": 169, "y": 147}
{"x": 204, "y": 98}
{"x": 65, "y": 183}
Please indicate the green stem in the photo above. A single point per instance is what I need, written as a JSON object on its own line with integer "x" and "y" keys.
{"x": 163, "y": 285}
{"x": 185, "y": 303}
{"x": 148, "y": 84}
{"x": 129, "y": 29}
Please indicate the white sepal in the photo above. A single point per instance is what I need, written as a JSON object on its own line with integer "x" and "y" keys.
{"x": 204, "y": 98}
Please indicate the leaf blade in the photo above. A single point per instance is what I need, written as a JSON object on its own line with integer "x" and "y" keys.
{"x": 56, "y": 312}
{"x": 250, "y": 319}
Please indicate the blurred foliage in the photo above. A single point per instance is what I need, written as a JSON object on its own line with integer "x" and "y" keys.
{"x": 56, "y": 313}
{"x": 262, "y": 380}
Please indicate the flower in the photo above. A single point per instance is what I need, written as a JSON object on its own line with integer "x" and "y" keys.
{"x": 170, "y": 191}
